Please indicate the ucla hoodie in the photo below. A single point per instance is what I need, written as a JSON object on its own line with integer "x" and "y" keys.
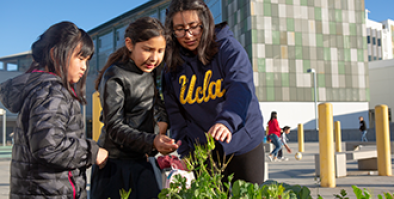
{"x": 198, "y": 96}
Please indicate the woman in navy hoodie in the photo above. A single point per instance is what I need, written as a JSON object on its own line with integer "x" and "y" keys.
{"x": 208, "y": 87}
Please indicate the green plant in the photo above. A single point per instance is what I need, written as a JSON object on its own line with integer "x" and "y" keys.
{"x": 360, "y": 195}
{"x": 124, "y": 194}
{"x": 208, "y": 182}
{"x": 342, "y": 195}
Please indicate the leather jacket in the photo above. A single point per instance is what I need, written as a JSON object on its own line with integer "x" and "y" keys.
{"x": 131, "y": 109}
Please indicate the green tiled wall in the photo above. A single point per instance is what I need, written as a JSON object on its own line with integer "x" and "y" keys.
{"x": 284, "y": 38}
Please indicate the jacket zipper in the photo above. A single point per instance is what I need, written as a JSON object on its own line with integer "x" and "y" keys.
{"x": 70, "y": 175}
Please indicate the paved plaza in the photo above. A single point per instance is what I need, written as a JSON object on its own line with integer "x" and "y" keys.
{"x": 301, "y": 172}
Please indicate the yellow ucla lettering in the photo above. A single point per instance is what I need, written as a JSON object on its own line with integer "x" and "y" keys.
{"x": 182, "y": 81}
{"x": 209, "y": 90}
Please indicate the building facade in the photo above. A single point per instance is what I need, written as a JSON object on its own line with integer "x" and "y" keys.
{"x": 284, "y": 39}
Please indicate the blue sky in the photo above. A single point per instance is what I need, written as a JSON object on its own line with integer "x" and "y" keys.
{"x": 22, "y": 21}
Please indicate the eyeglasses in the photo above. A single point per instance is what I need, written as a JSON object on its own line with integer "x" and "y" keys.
{"x": 193, "y": 30}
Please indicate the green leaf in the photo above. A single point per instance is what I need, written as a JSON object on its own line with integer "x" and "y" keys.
{"x": 358, "y": 192}
{"x": 124, "y": 194}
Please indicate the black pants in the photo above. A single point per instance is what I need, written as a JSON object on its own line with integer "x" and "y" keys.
{"x": 248, "y": 167}
{"x": 124, "y": 174}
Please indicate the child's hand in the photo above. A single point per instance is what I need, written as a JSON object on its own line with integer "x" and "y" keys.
{"x": 289, "y": 150}
{"x": 164, "y": 144}
{"x": 220, "y": 132}
{"x": 102, "y": 157}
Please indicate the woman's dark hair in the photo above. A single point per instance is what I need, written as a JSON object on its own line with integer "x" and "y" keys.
{"x": 273, "y": 116}
{"x": 207, "y": 47}
{"x": 54, "y": 49}
{"x": 140, "y": 30}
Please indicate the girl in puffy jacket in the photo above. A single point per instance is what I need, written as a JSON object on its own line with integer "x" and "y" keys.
{"x": 50, "y": 154}
{"x": 135, "y": 121}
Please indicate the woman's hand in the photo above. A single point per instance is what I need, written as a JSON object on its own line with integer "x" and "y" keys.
{"x": 164, "y": 144}
{"x": 163, "y": 126}
{"x": 220, "y": 132}
{"x": 102, "y": 157}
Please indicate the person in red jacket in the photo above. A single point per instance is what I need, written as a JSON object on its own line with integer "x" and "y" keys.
{"x": 274, "y": 135}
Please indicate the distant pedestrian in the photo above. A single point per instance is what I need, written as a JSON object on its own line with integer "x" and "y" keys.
{"x": 51, "y": 153}
{"x": 284, "y": 139}
{"x": 363, "y": 129}
{"x": 274, "y": 134}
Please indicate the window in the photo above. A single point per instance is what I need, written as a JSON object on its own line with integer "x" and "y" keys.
{"x": 163, "y": 16}
{"x": 93, "y": 61}
{"x": 105, "y": 48}
{"x": 12, "y": 67}
{"x": 154, "y": 15}
{"x": 379, "y": 42}
{"x": 120, "y": 37}
{"x": 374, "y": 41}
{"x": 1, "y": 65}
{"x": 368, "y": 39}
{"x": 24, "y": 64}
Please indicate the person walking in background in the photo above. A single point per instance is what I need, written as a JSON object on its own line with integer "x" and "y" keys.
{"x": 135, "y": 121}
{"x": 284, "y": 139}
{"x": 208, "y": 87}
{"x": 363, "y": 129}
{"x": 274, "y": 135}
{"x": 51, "y": 153}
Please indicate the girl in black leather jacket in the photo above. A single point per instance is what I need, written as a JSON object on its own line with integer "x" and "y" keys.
{"x": 134, "y": 118}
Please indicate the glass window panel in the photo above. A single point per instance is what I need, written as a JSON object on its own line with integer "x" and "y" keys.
{"x": 267, "y": 9}
{"x": 275, "y": 37}
{"x": 338, "y": 15}
{"x": 321, "y": 80}
{"x": 290, "y": 24}
{"x": 285, "y": 80}
{"x": 269, "y": 79}
{"x": 278, "y": 79}
{"x": 318, "y": 14}
{"x": 93, "y": 61}
{"x": 274, "y": 10}
{"x": 154, "y": 15}
{"x": 270, "y": 93}
{"x": 1, "y": 65}
{"x": 120, "y": 32}
{"x": 163, "y": 16}
{"x": 105, "y": 48}
{"x": 24, "y": 64}
{"x": 12, "y": 67}
{"x": 261, "y": 64}
{"x": 298, "y": 52}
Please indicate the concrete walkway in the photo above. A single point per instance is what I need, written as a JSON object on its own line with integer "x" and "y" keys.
{"x": 302, "y": 172}
{"x": 293, "y": 172}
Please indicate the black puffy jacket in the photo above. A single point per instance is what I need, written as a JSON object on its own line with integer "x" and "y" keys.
{"x": 50, "y": 153}
{"x": 131, "y": 108}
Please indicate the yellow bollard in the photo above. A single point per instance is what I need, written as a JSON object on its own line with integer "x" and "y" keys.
{"x": 326, "y": 134}
{"x": 301, "y": 138}
{"x": 96, "y": 111}
{"x": 338, "y": 136}
{"x": 383, "y": 140}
